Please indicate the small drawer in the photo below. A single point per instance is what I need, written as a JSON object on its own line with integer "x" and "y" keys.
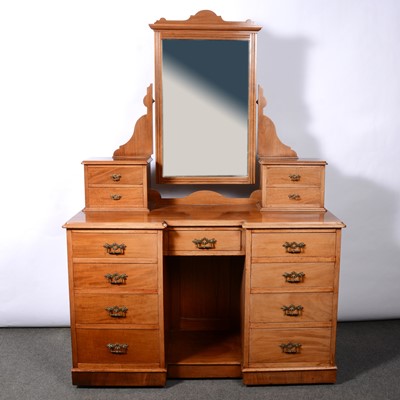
{"x": 115, "y": 278}
{"x": 291, "y": 307}
{"x": 115, "y": 197}
{"x": 140, "y": 246}
{"x": 114, "y": 175}
{"x": 289, "y": 346}
{"x": 297, "y": 197}
{"x": 205, "y": 241}
{"x": 118, "y": 346}
{"x": 116, "y": 309}
{"x": 289, "y": 276}
{"x": 293, "y": 176}
{"x": 292, "y": 244}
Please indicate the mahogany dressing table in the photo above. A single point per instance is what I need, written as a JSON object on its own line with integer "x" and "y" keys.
{"x": 204, "y": 286}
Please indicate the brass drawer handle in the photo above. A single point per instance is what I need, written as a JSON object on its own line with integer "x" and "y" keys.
{"x": 116, "y": 177}
{"x": 204, "y": 243}
{"x": 292, "y": 310}
{"x": 116, "y": 196}
{"x": 115, "y": 248}
{"x": 294, "y": 177}
{"x": 294, "y": 277}
{"x": 294, "y": 247}
{"x": 116, "y": 279}
{"x": 294, "y": 196}
{"x": 290, "y": 348}
{"x": 116, "y": 311}
{"x": 117, "y": 348}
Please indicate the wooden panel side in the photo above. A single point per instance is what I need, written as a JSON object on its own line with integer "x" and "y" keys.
{"x": 289, "y": 376}
{"x": 83, "y": 377}
{"x": 161, "y": 297}
{"x": 72, "y": 299}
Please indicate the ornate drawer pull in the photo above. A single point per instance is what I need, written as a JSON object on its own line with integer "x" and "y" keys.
{"x": 117, "y": 348}
{"x": 292, "y": 310}
{"x": 116, "y": 177}
{"x": 204, "y": 243}
{"x": 290, "y": 348}
{"x": 294, "y": 247}
{"x": 294, "y": 196}
{"x": 115, "y": 249}
{"x": 116, "y": 279}
{"x": 117, "y": 312}
{"x": 294, "y": 177}
{"x": 294, "y": 277}
{"x": 116, "y": 196}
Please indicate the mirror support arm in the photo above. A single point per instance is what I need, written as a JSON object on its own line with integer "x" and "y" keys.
{"x": 269, "y": 144}
{"x": 140, "y": 145}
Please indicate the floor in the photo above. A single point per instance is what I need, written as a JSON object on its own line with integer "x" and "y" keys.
{"x": 35, "y": 364}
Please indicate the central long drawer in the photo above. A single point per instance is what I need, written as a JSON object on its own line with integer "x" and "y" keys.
{"x": 191, "y": 241}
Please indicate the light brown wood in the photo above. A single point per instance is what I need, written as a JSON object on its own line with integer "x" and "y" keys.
{"x": 116, "y": 185}
{"x": 204, "y": 20}
{"x": 227, "y": 241}
{"x": 238, "y": 214}
{"x": 118, "y": 198}
{"x": 140, "y": 145}
{"x": 186, "y": 290}
{"x": 103, "y": 175}
{"x": 265, "y": 347}
{"x": 271, "y": 244}
{"x": 140, "y": 246}
{"x": 268, "y": 328}
{"x": 87, "y": 377}
{"x": 146, "y": 305}
{"x": 269, "y": 145}
{"x": 203, "y": 296}
{"x": 266, "y": 277}
{"x": 92, "y": 277}
{"x": 300, "y": 197}
{"x": 280, "y": 175}
{"x": 212, "y": 355}
{"x": 267, "y": 308}
{"x": 281, "y": 376}
{"x": 142, "y": 309}
{"x": 143, "y": 346}
{"x": 138, "y": 327}
{"x": 292, "y": 184}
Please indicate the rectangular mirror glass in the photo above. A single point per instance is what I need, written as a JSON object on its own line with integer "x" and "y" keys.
{"x": 205, "y": 107}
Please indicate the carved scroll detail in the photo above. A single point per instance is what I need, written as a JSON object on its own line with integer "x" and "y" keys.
{"x": 204, "y": 20}
{"x": 269, "y": 145}
{"x": 141, "y": 143}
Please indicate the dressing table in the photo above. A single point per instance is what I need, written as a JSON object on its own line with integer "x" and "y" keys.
{"x": 204, "y": 286}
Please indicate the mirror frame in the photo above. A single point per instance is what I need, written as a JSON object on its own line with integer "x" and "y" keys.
{"x": 206, "y": 25}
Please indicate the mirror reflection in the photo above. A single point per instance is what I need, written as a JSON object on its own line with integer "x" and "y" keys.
{"x": 205, "y": 86}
